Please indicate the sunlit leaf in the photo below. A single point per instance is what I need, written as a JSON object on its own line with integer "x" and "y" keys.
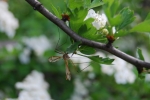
{"x": 96, "y": 3}
{"x": 110, "y": 7}
{"x": 55, "y": 11}
{"x": 142, "y": 27}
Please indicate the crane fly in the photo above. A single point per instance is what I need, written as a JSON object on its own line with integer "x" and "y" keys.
{"x": 65, "y": 55}
{"x": 66, "y": 58}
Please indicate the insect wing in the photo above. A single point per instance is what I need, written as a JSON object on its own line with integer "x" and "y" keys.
{"x": 54, "y": 58}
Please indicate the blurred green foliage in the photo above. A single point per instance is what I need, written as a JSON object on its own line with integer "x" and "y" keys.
{"x": 32, "y": 23}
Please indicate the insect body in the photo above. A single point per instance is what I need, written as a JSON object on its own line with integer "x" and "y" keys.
{"x": 66, "y": 59}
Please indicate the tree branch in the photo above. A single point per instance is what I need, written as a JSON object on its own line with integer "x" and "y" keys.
{"x": 138, "y": 63}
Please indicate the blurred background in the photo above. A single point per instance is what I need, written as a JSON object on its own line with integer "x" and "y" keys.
{"x": 28, "y": 39}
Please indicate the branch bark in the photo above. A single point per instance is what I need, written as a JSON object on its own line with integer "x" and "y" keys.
{"x": 139, "y": 64}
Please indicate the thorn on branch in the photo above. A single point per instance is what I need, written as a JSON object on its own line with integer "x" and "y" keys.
{"x": 37, "y": 5}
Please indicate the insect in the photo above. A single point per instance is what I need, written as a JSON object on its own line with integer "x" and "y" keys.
{"x": 65, "y": 55}
{"x": 66, "y": 58}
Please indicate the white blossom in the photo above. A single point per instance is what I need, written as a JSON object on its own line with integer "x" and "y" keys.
{"x": 8, "y": 23}
{"x": 121, "y": 70}
{"x": 99, "y": 20}
{"x": 83, "y": 62}
{"x": 147, "y": 77}
{"x": 38, "y": 44}
{"x": 113, "y": 30}
{"x": 24, "y": 57}
{"x": 33, "y": 87}
{"x": 80, "y": 90}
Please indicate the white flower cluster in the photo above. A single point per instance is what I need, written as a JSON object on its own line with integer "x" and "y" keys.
{"x": 99, "y": 20}
{"x": 121, "y": 70}
{"x": 8, "y": 23}
{"x": 80, "y": 91}
{"x": 33, "y": 87}
{"x": 83, "y": 62}
{"x": 38, "y": 44}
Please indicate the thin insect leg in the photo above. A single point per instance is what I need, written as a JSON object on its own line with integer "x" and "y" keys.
{"x": 64, "y": 42}
{"x": 58, "y": 46}
{"x": 58, "y": 39}
{"x": 84, "y": 68}
{"x": 72, "y": 63}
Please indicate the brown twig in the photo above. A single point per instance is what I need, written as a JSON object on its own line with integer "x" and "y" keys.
{"x": 136, "y": 62}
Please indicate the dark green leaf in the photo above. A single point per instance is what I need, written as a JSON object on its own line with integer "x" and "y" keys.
{"x": 140, "y": 55}
{"x": 99, "y": 60}
{"x": 87, "y": 50}
{"x": 127, "y": 16}
{"x": 73, "y": 47}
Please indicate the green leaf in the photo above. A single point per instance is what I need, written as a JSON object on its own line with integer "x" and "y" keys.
{"x": 142, "y": 27}
{"x": 142, "y": 75}
{"x": 110, "y": 7}
{"x": 55, "y": 11}
{"x": 73, "y": 4}
{"x": 77, "y": 20}
{"x": 73, "y": 47}
{"x": 127, "y": 16}
{"x": 121, "y": 33}
{"x": 99, "y": 60}
{"x": 139, "y": 53}
{"x": 87, "y": 50}
{"x": 95, "y": 3}
{"x": 87, "y": 3}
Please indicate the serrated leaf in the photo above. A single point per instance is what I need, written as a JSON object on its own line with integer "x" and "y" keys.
{"x": 96, "y": 3}
{"x": 87, "y": 3}
{"x": 73, "y": 4}
{"x": 99, "y": 60}
{"x": 110, "y": 7}
{"x": 140, "y": 55}
{"x": 73, "y": 47}
{"x": 87, "y": 50}
{"x": 142, "y": 27}
{"x": 127, "y": 17}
